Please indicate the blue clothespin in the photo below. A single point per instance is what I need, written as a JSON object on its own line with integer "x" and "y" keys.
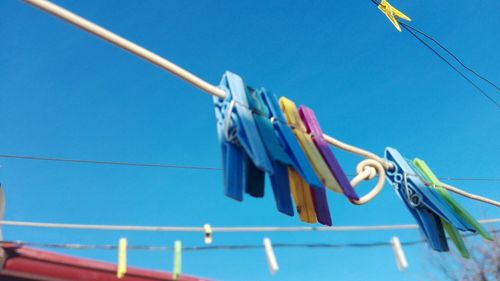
{"x": 243, "y": 153}
{"x": 297, "y": 156}
{"x": 408, "y": 186}
{"x": 279, "y": 159}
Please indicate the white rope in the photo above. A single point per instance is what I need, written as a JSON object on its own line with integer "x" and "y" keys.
{"x": 369, "y": 168}
{"x": 470, "y": 195}
{"x": 127, "y": 45}
{"x": 218, "y": 229}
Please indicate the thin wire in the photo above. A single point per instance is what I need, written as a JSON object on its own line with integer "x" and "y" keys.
{"x": 405, "y": 26}
{"x": 173, "y": 166}
{"x": 219, "y": 229}
{"x": 219, "y": 247}
{"x": 453, "y": 55}
{"x": 170, "y": 166}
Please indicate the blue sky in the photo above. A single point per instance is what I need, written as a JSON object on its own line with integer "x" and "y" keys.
{"x": 65, "y": 93}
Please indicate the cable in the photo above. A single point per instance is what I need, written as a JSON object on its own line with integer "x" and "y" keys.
{"x": 453, "y": 55}
{"x": 173, "y": 166}
{"x": 405, "y": 26}
{"x": 219, "y": 247}
{"x": 219, "y": 229}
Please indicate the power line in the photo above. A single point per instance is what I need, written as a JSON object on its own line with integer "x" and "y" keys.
{"x": 453, "y": 56}
{"x": 173, "y": 166}
{"x": 405, "y": 26}
{"x": 219, "y": 229}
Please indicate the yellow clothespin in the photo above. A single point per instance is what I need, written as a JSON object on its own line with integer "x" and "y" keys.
{"x": 302, "y": 197}
{"x": 208, "y": 234}
{"x": 392, "y": 13}
{"x": 318, "y": 163}
{"x": 122, "y": 258}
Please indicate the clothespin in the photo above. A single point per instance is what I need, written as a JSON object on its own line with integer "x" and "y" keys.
{"x": 407, "y": 188}
{"x": 208, "y": 234}
{"x": 271, "y": 258}
{"x": 392, "y": 13}
{"x": 302, "y": 196}
{"x": 275, "y": 149}
{"x": 341, "y": 183}
{"x": 314, "y": 157}
{"x": 434, "y": 183}
{"x": 398, "y": 253}
{"x": 122, "y": 258}
{"x": 457, "y": 208}
{"x": 177, "y": 260}
{"x": 301, "y": 176}
{"x": 244, "y": 157}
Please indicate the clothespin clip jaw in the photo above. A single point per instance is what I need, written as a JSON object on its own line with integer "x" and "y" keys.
{"x": 208, "y": 234}
{"x": 392, "y": 13}
{"x": 122, "y": 258}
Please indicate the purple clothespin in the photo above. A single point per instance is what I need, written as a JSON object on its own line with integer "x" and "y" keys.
{"x": 308, "y": 117}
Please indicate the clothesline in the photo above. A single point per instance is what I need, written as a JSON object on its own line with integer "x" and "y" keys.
{"x": 219, "y": 228}
{"x": 215, "y": 247}
{"x": 366, "y": 169}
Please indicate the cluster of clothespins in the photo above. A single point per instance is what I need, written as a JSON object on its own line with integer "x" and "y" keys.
{"x": 260, "y": 135}
{"x": 430, "y": 204}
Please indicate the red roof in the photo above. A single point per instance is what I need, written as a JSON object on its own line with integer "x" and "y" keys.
{"x": 24, "y": 263}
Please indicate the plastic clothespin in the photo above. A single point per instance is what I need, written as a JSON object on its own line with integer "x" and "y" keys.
{"x": 276, "y": 151}
{"x": 315, "y": 159}
{"x": 453, "y": 233}
{"x": 401, "y": 261}
{"x": 392, "y": 14}
{"x": 312, "y": 125}
{"x": 457, "y": 208}
{"x": 122, "y": 258}
{"x": 405, "y": 184}
{"x": 270, "y": 257}
{"x": 302, "y": 196}
{"x": 177, "y": 259}
{"x": 302, "y": 177}
{"x": 243, "y": 153}
{"x": 208, "y": 234}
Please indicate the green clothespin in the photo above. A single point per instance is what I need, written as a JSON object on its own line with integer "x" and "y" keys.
{"x": 436, "y": 184}
{"x": 429, "y": 177}
{"x": 177, "y": 260}
{"x": 453, "y": 203}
